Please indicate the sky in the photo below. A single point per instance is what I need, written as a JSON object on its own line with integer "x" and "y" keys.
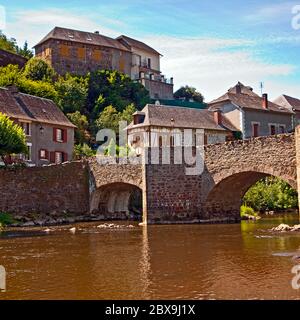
{"x": 210, "y": 45}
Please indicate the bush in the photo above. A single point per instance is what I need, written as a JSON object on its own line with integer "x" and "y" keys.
{"x": 247, "y": 211}
{"x": 6, "y": 219}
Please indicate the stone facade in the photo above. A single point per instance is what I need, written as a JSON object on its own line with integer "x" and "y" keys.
{"x": 76, "y": 58}
{"x": 55, "y": 189}
{"x": 169, "y": 194}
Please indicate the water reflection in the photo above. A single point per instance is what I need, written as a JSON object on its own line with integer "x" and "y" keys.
{"x": 244, "y": 261}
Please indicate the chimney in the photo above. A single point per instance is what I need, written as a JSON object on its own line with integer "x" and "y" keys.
{"x": 97, "y": 32}
{"x": 265, "y": 101}
{"x": 218, "y": 117}
{"x": 238, "y": 89}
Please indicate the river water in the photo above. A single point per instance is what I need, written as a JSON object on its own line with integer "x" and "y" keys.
{"x": 233, "y": 261}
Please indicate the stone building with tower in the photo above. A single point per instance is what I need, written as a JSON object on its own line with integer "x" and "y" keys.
{"x": 80, "y": 52}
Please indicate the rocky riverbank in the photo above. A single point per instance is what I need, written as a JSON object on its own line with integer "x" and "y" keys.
{"x": 285, "y": 227}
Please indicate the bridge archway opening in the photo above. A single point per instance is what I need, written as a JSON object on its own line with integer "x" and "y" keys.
{"x": 118, "y": 201}
{"x": 226, "y": 197}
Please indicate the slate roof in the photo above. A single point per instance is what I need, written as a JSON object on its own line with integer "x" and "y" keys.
{"x": 247, "y": 99}
{"x": 59, "y": 33}
{"x": 161, "y": 116}
{"x": 288, "y": 102}
{"x": 137, "y": 44}
{"x": 27, "y": 107}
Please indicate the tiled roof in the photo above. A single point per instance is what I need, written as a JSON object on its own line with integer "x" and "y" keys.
{"x": 82, "y": 37}
{"x": 247, "y": 99}
{"x": 137, "y": 44}
{"x": 7, "y": 57}
{"x": 27, "y": 107}
{"x": 293, "y": 102}
{"x": 180, "y": 117}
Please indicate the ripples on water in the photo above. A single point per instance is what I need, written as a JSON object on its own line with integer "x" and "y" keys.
{"x": 236, "y": 261}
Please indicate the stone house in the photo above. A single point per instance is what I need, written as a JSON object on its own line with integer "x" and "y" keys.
{"x": 292, "y": 104}
{"x": 146, "y": 69}
{"x": 252, "y": 114}
{"x": 49, "y": 133}
{"x": 79, "y": 52}
{"x": 160, "y": 125}
{"x": 7, "y": 58}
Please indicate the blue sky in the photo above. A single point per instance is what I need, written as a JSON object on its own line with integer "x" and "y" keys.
{"x": 208, "y": 44}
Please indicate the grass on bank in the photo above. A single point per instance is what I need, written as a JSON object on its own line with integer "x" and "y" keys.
{"x": 6, "y": 219}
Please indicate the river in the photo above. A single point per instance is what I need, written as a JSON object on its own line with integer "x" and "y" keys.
{"x": 225, "y": 261}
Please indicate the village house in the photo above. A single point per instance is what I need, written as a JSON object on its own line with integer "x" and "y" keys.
{"x": 49, "y": 133}
{"x": 160, "y": 125}
{"x": 292, "y": 104}
{"x": 252, "y": 114}
{"x": 79, "y": 52}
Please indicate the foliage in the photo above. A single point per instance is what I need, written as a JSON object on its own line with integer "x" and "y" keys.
{"x": 112, "y": 88}
{"x": 83, "y": 150}
{"x": 247, "y": 211}
{"x": 11, "y": 46}
{"x": 12, "y": 138}
{"x": 189, "y": 93}
{"x": 81, "y": 132}
{"x": 271, "y": 194}
{"x": 38, "y": 70}
{"x": 72, "y": 93}
{"x": 6, "y": 219}
{"x": 118, "y": 151}
{"x": 110, "y": 117}
{"x": 25, "y": 51}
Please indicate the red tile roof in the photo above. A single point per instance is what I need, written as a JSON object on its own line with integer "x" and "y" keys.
{"x": 27, "y": 107}
{"x": 181, "y": 117}
{"x": 247, "y": 99}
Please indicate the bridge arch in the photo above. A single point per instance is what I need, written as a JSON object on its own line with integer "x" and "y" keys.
{"x": 117, "y": 200}
{"x": 226, "y": 194}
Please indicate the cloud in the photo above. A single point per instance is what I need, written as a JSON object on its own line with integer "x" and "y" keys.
{"x": 33, "y": 25}
{"x": 214, "y": 65}
{"x": 272, "y": 13}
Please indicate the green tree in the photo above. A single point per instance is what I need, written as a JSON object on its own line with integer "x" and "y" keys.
{"x": 189, "y": 93}
{"x": 83, "y": 150}
{"x": 114, "y": 88}
{"x": 72, "y": 93}
{"x": 271, "y": 193}
{"x": 9, "y": 75}
{"x": 25, "y": 51}
{"x": 109, "y": 119}
{"x": 38, "y": 70}
{"x": 12, "y": 138}
{"x": 127, "y": 113}
{"x": 82, "y": 124}
{"x": 7, "y": 44}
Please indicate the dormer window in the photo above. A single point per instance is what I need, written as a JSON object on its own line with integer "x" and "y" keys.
{"x": 138, "y": 117}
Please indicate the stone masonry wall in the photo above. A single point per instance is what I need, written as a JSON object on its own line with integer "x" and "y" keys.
{"x": 48, "y": 190}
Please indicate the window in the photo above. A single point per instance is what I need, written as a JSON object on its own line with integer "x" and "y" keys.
{"x": 27, "y": 157}
{"x": 281, "y": 128}
{"x": 64, "y": 50}
{"x": 255, "y": 129}
{"x": 58, "y": 157}
{"x": 59, "y": 135}
{"x": 81, "y": 53}
{"x": 149, "y": 63}
{"x": 272, "y": 129}
{"x": 43, "y": 154}
{"x": 26, "y": 127}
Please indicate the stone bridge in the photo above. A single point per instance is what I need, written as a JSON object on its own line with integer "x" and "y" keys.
{"x": 163, "y": 193}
